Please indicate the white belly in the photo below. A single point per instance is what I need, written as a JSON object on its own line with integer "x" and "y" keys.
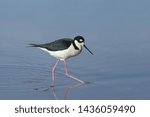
{"x": 64, "y": 54}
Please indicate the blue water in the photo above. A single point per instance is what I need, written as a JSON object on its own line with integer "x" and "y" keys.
{"x": 117, "y": 32}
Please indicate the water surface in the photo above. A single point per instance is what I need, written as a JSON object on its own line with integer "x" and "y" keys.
{"x": 117, "y": 32}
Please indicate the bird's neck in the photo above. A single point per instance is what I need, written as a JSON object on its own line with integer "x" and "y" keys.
{"x": 75, "y": 45}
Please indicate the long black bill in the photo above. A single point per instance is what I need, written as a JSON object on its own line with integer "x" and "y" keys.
{"x": 88, "y": 49}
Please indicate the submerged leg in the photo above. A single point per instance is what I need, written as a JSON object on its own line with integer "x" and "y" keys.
{"x": 67, "y": 74}
{"x": 53, "y": 71}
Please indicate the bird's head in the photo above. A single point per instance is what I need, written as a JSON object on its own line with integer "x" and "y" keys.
{"x": 79, "y": 42}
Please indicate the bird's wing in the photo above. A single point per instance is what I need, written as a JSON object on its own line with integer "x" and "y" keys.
{"x": 57, "y": 45}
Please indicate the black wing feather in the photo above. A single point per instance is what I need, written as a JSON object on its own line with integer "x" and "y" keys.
{"x": 57, "y": 45}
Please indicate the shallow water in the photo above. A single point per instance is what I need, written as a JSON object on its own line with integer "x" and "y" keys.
{"x": 119, "y": 68}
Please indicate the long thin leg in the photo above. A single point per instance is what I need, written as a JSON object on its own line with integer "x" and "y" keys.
{"x": 53, "y": 72}
{"x": 67, "y": 74}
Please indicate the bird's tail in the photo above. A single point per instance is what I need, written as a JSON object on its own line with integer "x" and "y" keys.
{"x": 33, "y": 45}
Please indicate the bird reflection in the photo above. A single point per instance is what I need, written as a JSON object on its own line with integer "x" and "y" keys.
{"x": 66, "y": 90}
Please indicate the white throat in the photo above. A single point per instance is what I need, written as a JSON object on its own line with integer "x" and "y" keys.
{"x": 79, "y": 45}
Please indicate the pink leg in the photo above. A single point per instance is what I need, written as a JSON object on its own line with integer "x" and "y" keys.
{"x": 67, "y": 74}
{"x": 53, "y": 71}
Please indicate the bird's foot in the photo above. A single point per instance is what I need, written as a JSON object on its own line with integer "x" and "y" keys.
{"x": 86, "y": 82}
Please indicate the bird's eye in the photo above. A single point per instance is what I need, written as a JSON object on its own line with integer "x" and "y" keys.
{"x": 80, "y": 40}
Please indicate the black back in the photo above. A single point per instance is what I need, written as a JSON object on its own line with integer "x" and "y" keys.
{"x": 57, "y": 45}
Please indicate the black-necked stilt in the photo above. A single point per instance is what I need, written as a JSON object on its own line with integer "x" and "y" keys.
{"x": 63, "y": 49}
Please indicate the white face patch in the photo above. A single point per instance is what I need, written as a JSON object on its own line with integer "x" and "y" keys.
{"x": 79, "y": 44}
{"x": 80, "y": 40}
